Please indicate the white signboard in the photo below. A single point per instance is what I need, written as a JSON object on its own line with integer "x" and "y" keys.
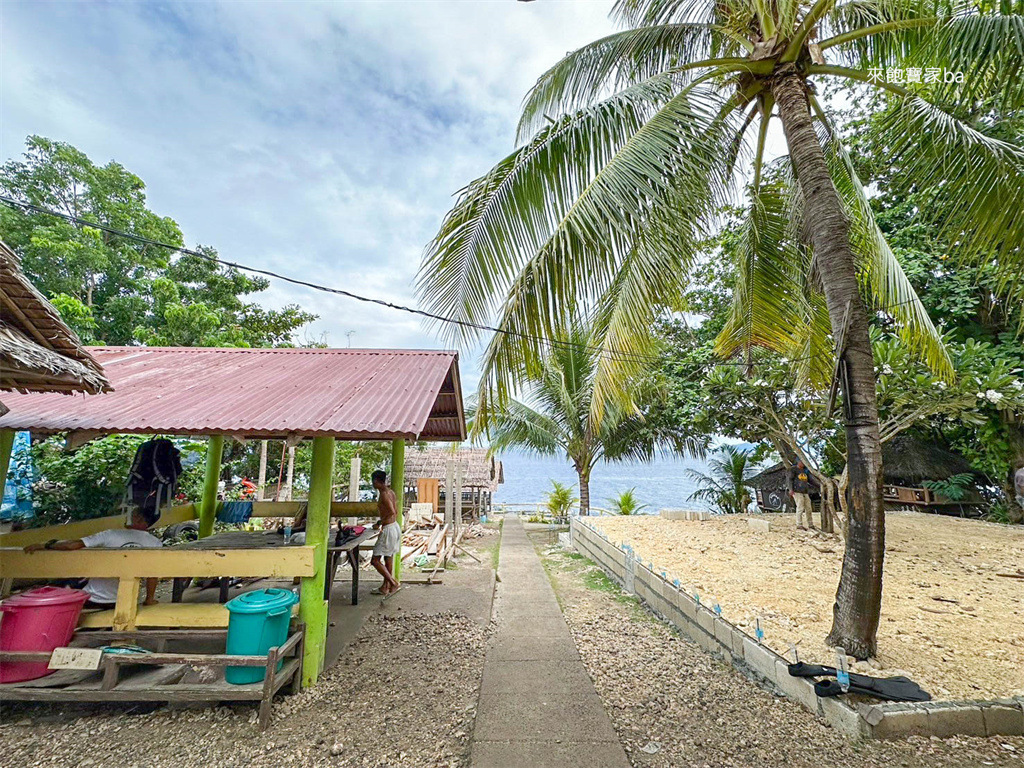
{"x": 76, "y": 658}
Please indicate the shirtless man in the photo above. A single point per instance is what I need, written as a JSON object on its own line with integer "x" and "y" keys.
{"x": 389, "y": 540}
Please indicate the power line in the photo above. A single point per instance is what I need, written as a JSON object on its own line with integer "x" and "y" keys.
{"x": 610, "y": 354}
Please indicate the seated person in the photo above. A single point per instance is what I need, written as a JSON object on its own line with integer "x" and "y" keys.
{"x": 103, "y": 592}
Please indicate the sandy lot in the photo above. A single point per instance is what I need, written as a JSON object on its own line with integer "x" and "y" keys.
{"x": 948, "y": 621}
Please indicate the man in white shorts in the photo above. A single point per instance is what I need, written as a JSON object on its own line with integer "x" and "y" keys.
{"x": 389, "y": 540}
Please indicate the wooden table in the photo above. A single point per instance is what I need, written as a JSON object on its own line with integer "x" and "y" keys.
{"x": 351, "y": 551}
{"x": 271, "y": 539}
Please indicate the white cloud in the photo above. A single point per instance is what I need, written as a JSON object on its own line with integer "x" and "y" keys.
{"x": 323, "y": 141}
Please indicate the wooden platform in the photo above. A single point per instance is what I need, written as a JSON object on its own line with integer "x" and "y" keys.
{"x": 161, "y": 676}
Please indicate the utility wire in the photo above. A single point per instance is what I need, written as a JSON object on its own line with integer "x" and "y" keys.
{"x": 610, "y": 354}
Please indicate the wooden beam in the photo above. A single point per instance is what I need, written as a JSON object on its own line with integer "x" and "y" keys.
{"x": 267, "y": 562}
{"x": 127, "y": 604}
{"x": 208, "y": 510}
{"x": 82, "y": 528}
{"x": 291, "y": 508}
{"x": 312, "y": 605}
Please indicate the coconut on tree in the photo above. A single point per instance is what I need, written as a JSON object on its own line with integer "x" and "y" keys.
{"x": 631, "y": 145}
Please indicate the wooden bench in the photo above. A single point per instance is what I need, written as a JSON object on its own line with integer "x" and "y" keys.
{"x": 165, "y": 676}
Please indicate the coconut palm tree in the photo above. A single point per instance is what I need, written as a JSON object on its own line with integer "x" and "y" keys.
{"x": 725, "y": 486}
{"x": 557, "y": 417}
{"x": 631, "y": 144}
{"x": 626, "y": 503}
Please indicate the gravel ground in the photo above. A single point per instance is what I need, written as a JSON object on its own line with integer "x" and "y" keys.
{"x": 403, "y": 696}
{"x": 686, "y": 708}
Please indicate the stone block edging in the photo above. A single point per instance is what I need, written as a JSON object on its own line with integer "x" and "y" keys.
{"x": 883, "y": 720}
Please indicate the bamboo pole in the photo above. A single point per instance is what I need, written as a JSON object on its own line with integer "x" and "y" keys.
{"x": 261, "y": 484}
{"x": 398, "y": 486}
{"x": 312, "y": 606}
{"x": 208, "y": 509}
{"x": 6, "y": 446}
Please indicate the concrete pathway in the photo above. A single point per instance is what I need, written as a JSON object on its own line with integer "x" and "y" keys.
{"x": 538, "y": 706}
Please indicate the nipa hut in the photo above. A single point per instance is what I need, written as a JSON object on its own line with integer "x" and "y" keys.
{"x": 38, "y": 351}
{"x": 908, "y": 462}
{"x": 473, "y": 470}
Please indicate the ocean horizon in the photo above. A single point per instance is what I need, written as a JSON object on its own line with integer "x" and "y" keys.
{"x": 660, "y": 484}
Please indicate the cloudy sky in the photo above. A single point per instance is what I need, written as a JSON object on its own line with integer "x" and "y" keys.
{"x": 323, "y": 141}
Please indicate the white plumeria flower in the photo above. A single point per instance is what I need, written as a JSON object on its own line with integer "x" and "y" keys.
{"x": 980, "y": 395}
{"x": 940, "y": 384}
{"x": 993, "y": 397}
{"x": 887, "y": 369}
{"x": 1018, "y": 385}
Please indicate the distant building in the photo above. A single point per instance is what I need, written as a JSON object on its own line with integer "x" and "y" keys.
{"x": 426, "y": 473}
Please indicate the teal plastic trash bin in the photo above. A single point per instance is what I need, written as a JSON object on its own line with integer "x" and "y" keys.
{"x": 259, "y": 621}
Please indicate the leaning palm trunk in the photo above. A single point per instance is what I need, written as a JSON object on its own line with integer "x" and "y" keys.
{"x": 859, "y": 597}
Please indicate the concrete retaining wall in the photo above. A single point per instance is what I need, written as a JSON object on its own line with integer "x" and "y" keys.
{"x": 1003, "y": 717}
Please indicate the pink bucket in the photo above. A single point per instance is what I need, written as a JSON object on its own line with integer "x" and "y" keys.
{"x": 38, "y": 620}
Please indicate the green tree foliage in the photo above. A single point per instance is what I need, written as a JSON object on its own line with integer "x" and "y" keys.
{"x": 626, "y": 503}
{"x": 560, "y": 500}
{"x": 113, "y": 290}
{"x": 724, "y": 487}
{"x": 557, "y": 416}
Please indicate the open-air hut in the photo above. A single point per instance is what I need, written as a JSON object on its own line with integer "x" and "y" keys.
{"x": 907, "y": 463}
{"x": 290, "y": 394}
{"x": 427, "y": 471}
{"x": 38, "y": 352}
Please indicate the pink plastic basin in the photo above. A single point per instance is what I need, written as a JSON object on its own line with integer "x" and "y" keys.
{"x": 38, "y": 620}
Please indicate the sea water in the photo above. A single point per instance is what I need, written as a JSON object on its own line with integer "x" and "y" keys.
{"x": 660, "y": 484}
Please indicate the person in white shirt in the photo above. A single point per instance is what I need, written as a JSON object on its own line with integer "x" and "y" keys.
{"x": 103, "y": 592}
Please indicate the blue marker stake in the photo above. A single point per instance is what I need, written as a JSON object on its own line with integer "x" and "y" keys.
{"x": 758, "y": 632}
{"x": 664, "y": 575}
{"x": 718, "y": 609}
{"x": 676, "y": 583}
{"x": 696, "y": 597}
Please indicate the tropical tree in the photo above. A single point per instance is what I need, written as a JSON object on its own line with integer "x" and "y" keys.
{"x": 560, "y": 499}
{"x": 557, "y": 416}
{"x": 626, "y": 503}
{"x": 724, "y": 487}
{"x": 632, "y": 143}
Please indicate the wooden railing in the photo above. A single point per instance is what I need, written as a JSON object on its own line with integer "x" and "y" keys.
{"x": 131, "y": 565}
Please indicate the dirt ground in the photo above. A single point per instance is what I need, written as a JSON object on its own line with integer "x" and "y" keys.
{"x": 402, "y": 695}
{"x": 675, "y": 706}
{"x": 948, "y": 620}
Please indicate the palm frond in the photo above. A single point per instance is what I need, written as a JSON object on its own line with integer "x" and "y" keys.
{"x": 882, "y": 278}
{"x": 979, "y": 182}
{"x": 614, "y": 63}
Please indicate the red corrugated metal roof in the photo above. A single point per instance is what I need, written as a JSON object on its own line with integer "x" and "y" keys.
{"x": 356, "y": 394}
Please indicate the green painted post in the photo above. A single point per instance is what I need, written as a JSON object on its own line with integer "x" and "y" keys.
{"x": 208, "y": 508}
{"x": 398, "y": 486}
{"x": 312, "y": 606}
{"x": 6, "y": 444}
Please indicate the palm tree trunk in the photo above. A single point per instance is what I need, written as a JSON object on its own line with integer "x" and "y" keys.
{"x": 859, "y": 596}
{"x": 584, "y": 478}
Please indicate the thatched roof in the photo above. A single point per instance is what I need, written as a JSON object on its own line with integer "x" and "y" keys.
{"x": 38, "y": 352}
{"x": 479, "y": 470}
{"x": 906, "y": 460}
{"x": 909, "y": 460}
